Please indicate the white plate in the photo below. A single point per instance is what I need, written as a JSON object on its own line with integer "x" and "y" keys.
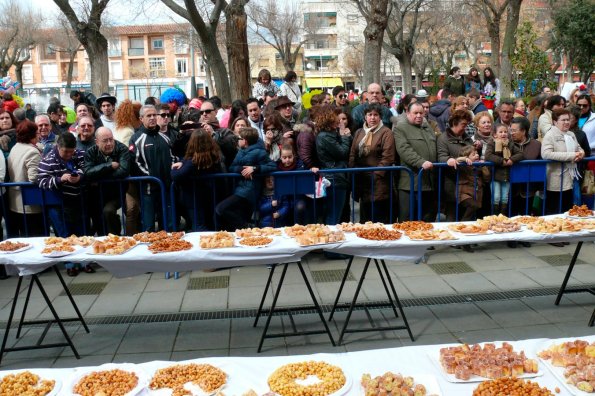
{"x": 321, "y": 244}
{"x": 559, "y": 374}
{"x": 579, "y": 218}
{"x": 29, "y": 246}
{"x": 488, "y": 232}
{"x": 77, "y": 249}
{"x": 427, "y": 380}
{"x": 90, "y": 251}
{"x": 255, "y": 247}
{"x": 343, "y": 391}
{"x": 143, "y": 380}
{"x": 474, "y": 378}
{"x": 44, "y": 374}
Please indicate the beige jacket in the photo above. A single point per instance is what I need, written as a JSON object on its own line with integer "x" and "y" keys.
{"x": 23, "y": 163}
{"x": 553, "y": 147}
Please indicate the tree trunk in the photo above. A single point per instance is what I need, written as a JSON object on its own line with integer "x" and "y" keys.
{"x": 18, "y": 70}
{"x": 494, "y": 33}
{"x": 237, "y": 49}
{"x": 508, "y": 47}
{"x": 96, "y": 48}
{"x": 373, "y": 37}
{"x": 71, "y": 57}
{"x": 405, "y": 63}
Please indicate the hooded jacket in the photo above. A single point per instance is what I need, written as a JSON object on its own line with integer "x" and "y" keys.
{"x": 439, "y": 112}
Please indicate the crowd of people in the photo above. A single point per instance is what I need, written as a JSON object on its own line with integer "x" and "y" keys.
{"x": 273, "y": 131}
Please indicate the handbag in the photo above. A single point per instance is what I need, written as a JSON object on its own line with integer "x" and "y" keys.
{"x": 588, "y": 186}
{"x": 320, "y": 187}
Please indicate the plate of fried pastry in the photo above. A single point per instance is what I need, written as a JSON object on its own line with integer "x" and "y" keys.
{"x": 10, "y": 247}
{"x": 41, "y": 382}
{"x": 113, "y": 245}
{"x": 580, "y": 212}
{"x": 188, "y": 379}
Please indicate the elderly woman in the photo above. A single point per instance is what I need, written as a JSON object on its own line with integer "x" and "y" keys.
{"x": 23, "y": 163}
{"x": 449, "y": 146}
{"x": 545, "y": 121}
{"x": 559, "y": 144}
{"x": 373, "y": 146}
{"x": 333, "y": 150}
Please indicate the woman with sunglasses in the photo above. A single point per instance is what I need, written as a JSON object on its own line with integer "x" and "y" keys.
{"x": 586, "y": 120}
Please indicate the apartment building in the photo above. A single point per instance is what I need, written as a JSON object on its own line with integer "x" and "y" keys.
{"x": 143, "y": 60}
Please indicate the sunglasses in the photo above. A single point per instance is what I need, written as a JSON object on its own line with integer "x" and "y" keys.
{"x": 165, "y": 115}
{"x": 209, "y": 111}
{"x": 583, "y": 106}
{"x": 342, "y": 96}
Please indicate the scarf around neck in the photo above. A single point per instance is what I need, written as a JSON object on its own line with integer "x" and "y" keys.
{"x": 366, "y": 142}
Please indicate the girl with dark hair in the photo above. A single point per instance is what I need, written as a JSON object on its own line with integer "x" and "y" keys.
{"x": 491, "y": 84}
{"x": 239, "y": 123}
{"x": 454, "y": 82}
{"x": 7, "y": 131}
{"x": 545, "y": 122}
{"x": 203, "y": 157}
{"x": 291, "y": 89}
{"x": 264, "y": 84}
{"x": 238, "y": 109}
{"x": 472, "y": 80}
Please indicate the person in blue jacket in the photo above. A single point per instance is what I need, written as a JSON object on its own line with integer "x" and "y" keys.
{"x": 273, "y": 211}
{"x": 251, "y": 162}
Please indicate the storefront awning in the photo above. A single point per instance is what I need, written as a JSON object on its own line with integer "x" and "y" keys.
{"x": 323, "y": 82}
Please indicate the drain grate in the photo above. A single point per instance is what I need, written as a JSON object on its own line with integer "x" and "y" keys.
{"x": 85, "y": 289}
{"x": 208, "y": 282}
{"x": 560, "y": 260}
{"x": 251, "y": 312}
{"x": 455, "y": 267}
{"x": 324, "y": 276}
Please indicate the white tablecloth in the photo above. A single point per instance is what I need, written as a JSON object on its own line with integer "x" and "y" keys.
{"x": 140, "y": 260}
{"x": 252, "y": 373}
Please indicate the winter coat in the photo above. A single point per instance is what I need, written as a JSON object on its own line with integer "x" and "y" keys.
{"x": 415, "y": 145}
{"x": 228, "y": 143}
{"x": 589, "y": 129}
{"x": 253, "y": 155}
{"x": 23, "y": 164}
{"x": 439, "y": 112}
{"x": 333, "y": 153}
{"x": 530, "y": 148}
{"x": 471, "y": 182}
{"x": 152, "y": 155}
{"x": 266, "y": 210}
{"x": 51, "y": 169}
{"x": 553, "y": 147}
{"x": 86, "y": 145}
{"x": 502, "y": 173}
{"x": 450, "y": 146}
{"x": 382, "y": 153}
{"x": 306, "y": 148}
{"x": 358, "y": 116}
{"x": 544, "y": 124}
{"x": 478, "y": 107}
{"x": 455, "y": 85}
{"x": 98, "y": 166}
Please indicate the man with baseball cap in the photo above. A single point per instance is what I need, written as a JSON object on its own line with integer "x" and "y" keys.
{"x": 106, "y": 103}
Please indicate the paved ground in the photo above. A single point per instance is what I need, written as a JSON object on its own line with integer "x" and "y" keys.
{"x": 495, "y": 293}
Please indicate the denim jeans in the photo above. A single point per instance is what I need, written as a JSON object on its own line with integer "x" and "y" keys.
{"x": 500, "y": 193}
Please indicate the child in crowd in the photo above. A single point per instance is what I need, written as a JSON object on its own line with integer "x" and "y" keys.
{"x": 252, "y": 160}
{"x": 273, "y": 211}
{"x": 503, "y": 153}
{"x": 471, "y": 180}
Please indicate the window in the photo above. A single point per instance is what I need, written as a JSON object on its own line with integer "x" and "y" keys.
{"x": 352, "y": 18}
{"x": 27, "y": 74}
{"x": 263, "y": 62}
{"x": 136, "y": 46}
{"x": 181, "y": 67}
{"x": 114, "y": 47}
{"x": 156, "y": 67}
{"x": 115, "y": 70}
{"x": 49, "y": 72}
{"x": 180, "y": 45}
{"x": 157, "y": 43}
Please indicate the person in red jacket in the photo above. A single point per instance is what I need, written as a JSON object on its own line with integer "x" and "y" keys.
{"x": 9, "y": 103}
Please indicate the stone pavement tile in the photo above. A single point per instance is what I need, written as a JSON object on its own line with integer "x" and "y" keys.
{"x": 404, "y": 271}
{"x": 248, "y": 297}
{"x": 204, "y": 300}
{"x": 511, "y": 313}
{"x": 267, "y": 350}
{"x": 160, "y": 284}
{"x": 373, "y": 289}
{"x": 536, "y": 331}
{"x": 366, "y": 344}
{"x": 100, "y": 275}
{"x": 545, "y": 249}
{"x": 203, "y": 334}
{"x": 585, "y": 300}
{"x": 479, "y": 254}
{"x": 469, "y": 283}
{"x": 8, "y": 287}
{"x": 552, "y": 276}
{"x": 484, "y": 335}
{"x": 17, "y": 364}
{"x": 421, "y": 320}
{"x": 507, "y": 253}
{"x": 141, "y": 357}
{"x": 576, "y": 328}
{"x": 53, "y": 336}
{"x": 510, "y": 280}
{"x": 292, "y": 276}
{"x": 203, "y": 353}
{"x": 244, "y": 335}
{"x": 421, "y": 286}
{"x": 585, "y": 273}
{"x": 135, "y": 284}
{"x": 148, "y": 337}
{"x": 315, "y": 348}
{"x": 108, "y": 304}
{"x": 36, "y": 306}
{"x": 102, "y": 340}
{"x": 428, "y": 339}
{"x": 292, "y": 295}
{"x": 241, "y": 277}
{"x": 84, "y": 361}
{"x": 507, "y": 264}
{"x": 446, "y": 255}
{"x": 463, "y": 317}
{"x": 159, "y": 302}
{"x": 327, "y": 292}
{"x": 64, "y": 307}
{"x": 567, "y": 311}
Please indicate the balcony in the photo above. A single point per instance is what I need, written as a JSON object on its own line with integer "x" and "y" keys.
{"x": 136, "y": 51}
{"x": 113, "y": 53}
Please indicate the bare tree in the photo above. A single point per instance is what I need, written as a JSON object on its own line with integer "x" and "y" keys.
{"x": 376, "y": 13}
{"x": 402, "y": 32}
{"x": 86, "y": 24}
{"x": 206, "y": 22}
{"x": 19, "y": 31}
{"x": 64, "y": 41}
{"x": 282, "y": 27}
{"x": 353, "y": 61}
{"x": 508, "y": 47}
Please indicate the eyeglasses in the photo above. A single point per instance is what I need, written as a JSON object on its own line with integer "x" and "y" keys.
{"x": 85, "y": 126}
{"x": 342, "y": 96}
{"x": 271, "y": 130}
{"x": 165, "y": 115}
{"x": 150, "y": 115}
{"x": 208, "y": 111}
{"x": 583, "y": 105}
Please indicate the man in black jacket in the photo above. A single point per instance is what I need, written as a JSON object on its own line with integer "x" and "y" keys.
{"x": 108, "y": 159}
{"x": 151, "y": 156}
